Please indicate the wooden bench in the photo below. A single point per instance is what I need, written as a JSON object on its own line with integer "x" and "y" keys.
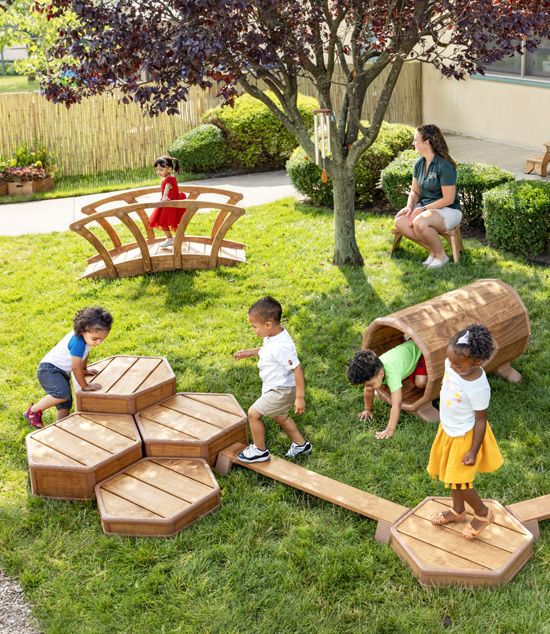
{"x": 530, "y": 512}
{"x": 453, "y": 237}
{"x": 539, "y": 164}
{"x": 361, "y": 502}
{"x": 143, "y": 255}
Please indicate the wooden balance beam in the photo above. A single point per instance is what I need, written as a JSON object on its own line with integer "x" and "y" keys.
{"x": 531, "y": 512}
{"x": 344, "y": 495}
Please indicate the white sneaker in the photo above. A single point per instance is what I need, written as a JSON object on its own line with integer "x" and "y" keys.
{"x": 297, "y": 450}
{"x": 428, "y": 260}
{"x": 437, "y": 264}
{"x": 167, "y": 244}
{"x": 253, "y": 454}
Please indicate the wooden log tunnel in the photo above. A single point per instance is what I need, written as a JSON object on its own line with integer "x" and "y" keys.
{"x": 431, "y": 325}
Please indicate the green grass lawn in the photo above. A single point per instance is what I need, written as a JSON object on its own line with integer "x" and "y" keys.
{"x": 102, "y": 182}
{"x": 17, "y": 83}
{"x": 272, "y": 559}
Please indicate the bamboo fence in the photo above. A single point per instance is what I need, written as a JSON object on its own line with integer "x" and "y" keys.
{"x": 102, "y": 134}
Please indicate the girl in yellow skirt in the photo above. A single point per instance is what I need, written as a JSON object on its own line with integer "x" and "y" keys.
{"x": 465, "y": 444}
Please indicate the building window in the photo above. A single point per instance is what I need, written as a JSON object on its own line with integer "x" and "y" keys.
{"x": 536, "y": 64}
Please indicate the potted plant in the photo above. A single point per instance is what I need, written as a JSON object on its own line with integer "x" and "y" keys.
{"x": 30, "y": 170}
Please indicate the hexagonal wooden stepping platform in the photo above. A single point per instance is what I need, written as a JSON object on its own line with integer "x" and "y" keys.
{"x": 157, "y": 497}
{"x": 440, "y": 555}
{"x": 67, "y": 459}
{"x": 128, "y": 384}
{"x": 192, "y": 425}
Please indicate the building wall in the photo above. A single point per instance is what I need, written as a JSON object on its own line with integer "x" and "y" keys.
{"x": 514, "y": 113}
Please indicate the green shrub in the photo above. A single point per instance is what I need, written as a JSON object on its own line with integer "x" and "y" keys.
{"x": 202, "y": 149}
{"x": 472, "y": 180}
{"x": 517, "y": 216}
{"x": 306, "y": 176}
{"x": 256, "y": 139}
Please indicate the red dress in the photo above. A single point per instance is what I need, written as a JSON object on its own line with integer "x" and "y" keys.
{"x": 168, "y": 217}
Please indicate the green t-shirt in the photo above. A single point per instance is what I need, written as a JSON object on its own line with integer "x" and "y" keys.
{"x": 399, "y": 363}
{"x": 440, "y": 172}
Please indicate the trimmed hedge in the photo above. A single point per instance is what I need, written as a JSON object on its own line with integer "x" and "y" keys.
{"x": 517, "y": 216}
{"x": 202, "y": 149}
{"x": 255, "y": 138}
{"x": 306, "y": 175}
{"x": 472, "y": 180}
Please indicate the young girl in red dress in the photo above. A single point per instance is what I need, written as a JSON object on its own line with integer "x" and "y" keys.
{"x": 167, "y": 218}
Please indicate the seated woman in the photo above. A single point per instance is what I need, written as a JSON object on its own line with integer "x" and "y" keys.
{"x": 433, "y": 206}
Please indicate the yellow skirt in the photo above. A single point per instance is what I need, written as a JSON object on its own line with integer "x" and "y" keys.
{"x": 447, "y": 453}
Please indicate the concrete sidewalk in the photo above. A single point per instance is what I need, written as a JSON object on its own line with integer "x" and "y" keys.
{"x": 45, "y": 216}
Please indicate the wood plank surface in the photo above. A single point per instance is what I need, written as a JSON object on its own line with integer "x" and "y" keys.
{"x": 45, "y": 456}
{"x": 177, "y": 484}
{"x": 225, "y": 402}
{"x": 135, "y": 376}
{"x": 499, "y": 534}
{"x": 69, "y": 445}
{"x": 153, "y": 430}
{"x": 113, "y": 372}
{"x": 181, "y": 422}
{"x": 501, "y": 516}
{"x": 488, "y": 555}
{"x": 95, "y": 434}
{"x": 534, "y": 509}
{"x": 203, "y": 411}
{"x": 116, "y": 506}
{"x": 162, "y": 373}
{"x": 432, "y": 555}
{"x": 322, "y": 487}
{"x": 191, "y": 469}
{"x": 119, "y": 423}
{"x": 145, "y": 495}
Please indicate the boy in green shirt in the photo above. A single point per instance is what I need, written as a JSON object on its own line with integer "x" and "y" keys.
{"x": 372, "y": 371}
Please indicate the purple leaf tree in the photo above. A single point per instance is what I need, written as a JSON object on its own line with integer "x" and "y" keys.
{"x": 153, "y": 51}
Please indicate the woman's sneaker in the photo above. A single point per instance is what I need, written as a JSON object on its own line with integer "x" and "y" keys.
{"x": 34, "y": 418}
{"x": 167, "y": 244}
{"x": 253, "y": 454}
{"x": 297, "y": 450}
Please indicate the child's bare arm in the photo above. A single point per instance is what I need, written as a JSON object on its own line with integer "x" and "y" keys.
{"x": 368, "y": 397}
{"x": 246, "y": 353}
{"x": 300, "y": 402}
{"x": 395, "y": 413}
{"x": 89, "y": 371}
{"x": 479, "y": 432}
{"x": 166, "y": 192}
{"x": 79, "y": 371}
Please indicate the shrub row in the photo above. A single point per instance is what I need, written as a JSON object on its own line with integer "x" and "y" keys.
{"x": 248, "y": 136}
{"x": 472, "y": 180}
{"x": 517, "y": 216}
{"x": 306, "y": 175}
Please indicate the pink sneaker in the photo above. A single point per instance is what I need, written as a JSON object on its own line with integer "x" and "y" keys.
{"x": 34, "y": 418}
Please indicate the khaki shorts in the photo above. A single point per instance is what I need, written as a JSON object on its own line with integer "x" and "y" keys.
{"x": 276, "y": 402}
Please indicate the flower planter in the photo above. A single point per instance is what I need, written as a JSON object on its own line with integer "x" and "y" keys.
{"x": 30, "y": 187}
{"x": 3, "y": 188}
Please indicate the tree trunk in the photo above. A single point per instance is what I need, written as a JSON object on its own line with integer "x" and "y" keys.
{"x": 346, "y": 250}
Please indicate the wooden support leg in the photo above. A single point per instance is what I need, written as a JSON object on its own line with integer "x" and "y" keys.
{"x": 396, "y": 241}
{"x": 455, "y": 246}
{"x": 507, "y": 372}
{"x": 428, "y": 413}
{"x": 383, "y": 534}
{"x": 223, "y": 464}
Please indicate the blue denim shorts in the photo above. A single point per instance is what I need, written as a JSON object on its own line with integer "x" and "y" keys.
{"x": 56, "y": 383}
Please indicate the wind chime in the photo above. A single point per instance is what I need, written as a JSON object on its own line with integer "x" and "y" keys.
{"x": 321, "y": 136}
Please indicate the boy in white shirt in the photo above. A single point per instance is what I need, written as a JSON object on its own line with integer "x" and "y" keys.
{"x": 282, "y": 382}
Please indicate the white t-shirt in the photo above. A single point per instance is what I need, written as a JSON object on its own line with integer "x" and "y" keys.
{"x": 278, "y": 358}
{"x": 71, "y": 345}
{"x": 459, "y": 399}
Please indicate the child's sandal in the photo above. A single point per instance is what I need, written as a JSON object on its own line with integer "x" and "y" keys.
{"x": 439, "y": 519}
{"x": 470, "y": 532}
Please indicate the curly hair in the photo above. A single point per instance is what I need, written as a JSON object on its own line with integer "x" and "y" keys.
{"x": 92, "y": 318}
{"x": 168, "y": 161}
{"x": 433, "y": 134}
{"x": 475, "y": 342}
{"x": 363, "y": 366}
{"x": 268, "y": 309}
